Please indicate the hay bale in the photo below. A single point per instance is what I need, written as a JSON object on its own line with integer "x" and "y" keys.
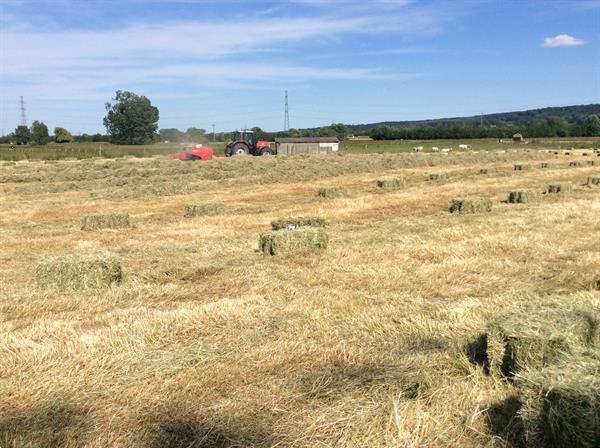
{"x": 105, "y": 221}
{"x": 79, "y": 271}
{"x": 575, "y": 164}
{"x": 561, "y": 404}
{"x": 331, "y": 192}
{"x": 543, "y": 165}
{"x": 591, "y": 163}
{"x": 470, "y": 205}
{"x": 391, "y": 184}
{"x": 593, "y": 181}
{"x": 520, "y": 167}
{"x": 560, "y": 188}
{"x": 286, "y": 242}
{"x": 487, "y": 171}
{"x": 524, "y": 196}
{"x": 9, "y": 163}
{"x": 537, "y": 335}
{"x": 300, "y": 221}
{"x": 438, "y": 177}
{"x": 209, "y": 209}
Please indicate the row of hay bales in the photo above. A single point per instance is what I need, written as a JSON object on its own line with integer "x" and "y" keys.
{"x": 550, "y": 350}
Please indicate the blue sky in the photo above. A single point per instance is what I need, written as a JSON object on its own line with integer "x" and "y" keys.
{"x": 351, "y": 61}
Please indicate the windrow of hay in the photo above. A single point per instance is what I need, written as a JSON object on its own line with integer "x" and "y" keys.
{"x": 300, "y": 221}
{"x": 391, "y": 184}
{"x": 331, "y": 192}
{"x": 559, "y": 187}
{"x": 520, "y": 167}
{"x": 593, "y": 181}
{"x": 438, "y": 177}
{"x": 524, "y": 196}
{"x": 208, "y": 209}
{"x": 79, "y": 271}
{"x": 538, "y": 334}
{"x": 286, "y": 242}
{"x": 470, "y": 205}
{"x": 105, "y": 221}
{"x": 561, "y": 404}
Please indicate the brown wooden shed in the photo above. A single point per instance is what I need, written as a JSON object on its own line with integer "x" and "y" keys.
{"x": 307, "y": 145}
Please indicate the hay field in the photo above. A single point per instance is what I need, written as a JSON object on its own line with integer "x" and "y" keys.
{"x": 206, "y": 342}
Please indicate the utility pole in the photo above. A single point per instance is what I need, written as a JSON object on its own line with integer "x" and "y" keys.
{"x": 286, "y": 117}
{"x": 23, "y": 116}
{"x": 213, "y": 126}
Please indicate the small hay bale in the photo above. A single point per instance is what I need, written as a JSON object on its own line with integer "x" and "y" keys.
{"x": 211, "y": 209}
{"x": 593, "y": 181}
{"x": 9, "y": 163}
{"x": 300, "y": 221}
{"x": 487, "y": 171}
{"x": 520, "y": 167}
{"x": 591, "y": 163}
{"x": 561, "y": 405}
{"x": 331, "y": 192}
{"x": 470, "y": 205}
{"x": 560, "y": 188}
{"x": 79, "y": 271}
{"x": 575, "y": 164}
{"x": 391, "y": 184}
{"x": 537, "y": 335}
{"x": 286, "y": 242}
{"x": 524, "y": 196}
{"x": 438, "y": 177}
{"x": 105, "y": 221}
{"x": 543, "y": 165}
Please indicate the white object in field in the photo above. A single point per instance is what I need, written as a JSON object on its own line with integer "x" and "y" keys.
{"x": 199, "y": 145}
{"x": 446, "y": 149}
{"x": 435, "y": 149}
{"x": 464, "y": 146}
{"x": 418, "y": 148}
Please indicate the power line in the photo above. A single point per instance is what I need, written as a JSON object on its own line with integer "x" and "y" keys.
{"x": 23, "y": 116}
{"x": 286, "y": 117}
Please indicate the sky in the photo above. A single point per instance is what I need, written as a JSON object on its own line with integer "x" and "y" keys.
{"x": 230, "y": 62}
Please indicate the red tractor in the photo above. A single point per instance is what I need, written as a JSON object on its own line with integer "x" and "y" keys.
{"x": 243, "y": 144}
{"x": 194, "y": 152}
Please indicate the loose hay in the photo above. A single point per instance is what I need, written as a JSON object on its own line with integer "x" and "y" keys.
{"x": 79, "y": 271}
{"x": 520, "y": 167}
{"x": 391, "y": 184}
{"x": 559, "y": 188}
{"x": 106, "y": 221}
{"x": 538, "y": 335}
{"x": 286, "y": 242}
{"x": 470, "y": 205}
{"x": 561, "y": 405}
{"x": 333, "y": 192}
{"x": 593, "y": 181}
{"x": 211, "y": 209}
{"x": 524, "y": 196}
{"x": 300, "y": 221}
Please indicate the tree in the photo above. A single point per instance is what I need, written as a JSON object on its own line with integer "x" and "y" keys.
{"x": 196, "y": 135}
{"x": 22, "y": 135}
{"x": 61, "y": 135}
{"x": 592, "y": 126}
{"x": 39, "y": 133}
{"x": 131, "y": 119}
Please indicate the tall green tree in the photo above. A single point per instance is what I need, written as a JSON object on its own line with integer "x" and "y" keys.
{"x": 39, "y": 133}
{"x": 592, "y": 126}
{"x": 131, "y": 119}
{"x": 61, "y": 135}
{"x": 196, "y": 135}
{"x": 22, "y": 135}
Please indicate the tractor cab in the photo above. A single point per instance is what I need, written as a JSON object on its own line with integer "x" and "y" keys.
{"x": 245, "y": 136}
{"x": 243, "y": 143}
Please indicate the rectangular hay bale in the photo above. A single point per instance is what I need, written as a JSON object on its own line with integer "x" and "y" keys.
{"x": 520, "y": 167}
{"x": 575, "y": 164}
{"x": 286, "y": 242}
{"x": 300, "y": 221}
{"x": 561, "y": 405}
{"x": 391, "y": 184}
{"x": 524, "y": 196}
{"x": 538, "y": 334}
{"x": 559, "y": 188}
{"x": 593, "y": 181}
{"x": 438, "y": 177}
{"x": 105, "y": 221}
{"x": 331, "y": 192}
{"x": 209, "y": 209}
{"x": 544, "y": 165}
{"x": 470, "y": 205}
{"x": 79, "y": 271}
{"x": 487, "y": 171}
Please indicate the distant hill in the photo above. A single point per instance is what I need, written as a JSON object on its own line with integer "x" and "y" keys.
{"x": 572, "y": 114}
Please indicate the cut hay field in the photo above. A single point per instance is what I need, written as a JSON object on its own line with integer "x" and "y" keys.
{"x": 202, "y": 340}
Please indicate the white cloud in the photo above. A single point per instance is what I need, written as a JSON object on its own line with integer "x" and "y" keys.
{"x": 562, "y": 40}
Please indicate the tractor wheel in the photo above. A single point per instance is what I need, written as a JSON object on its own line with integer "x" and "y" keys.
{"x": 239, "y": 149}
{"x": 266, "y": 152}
